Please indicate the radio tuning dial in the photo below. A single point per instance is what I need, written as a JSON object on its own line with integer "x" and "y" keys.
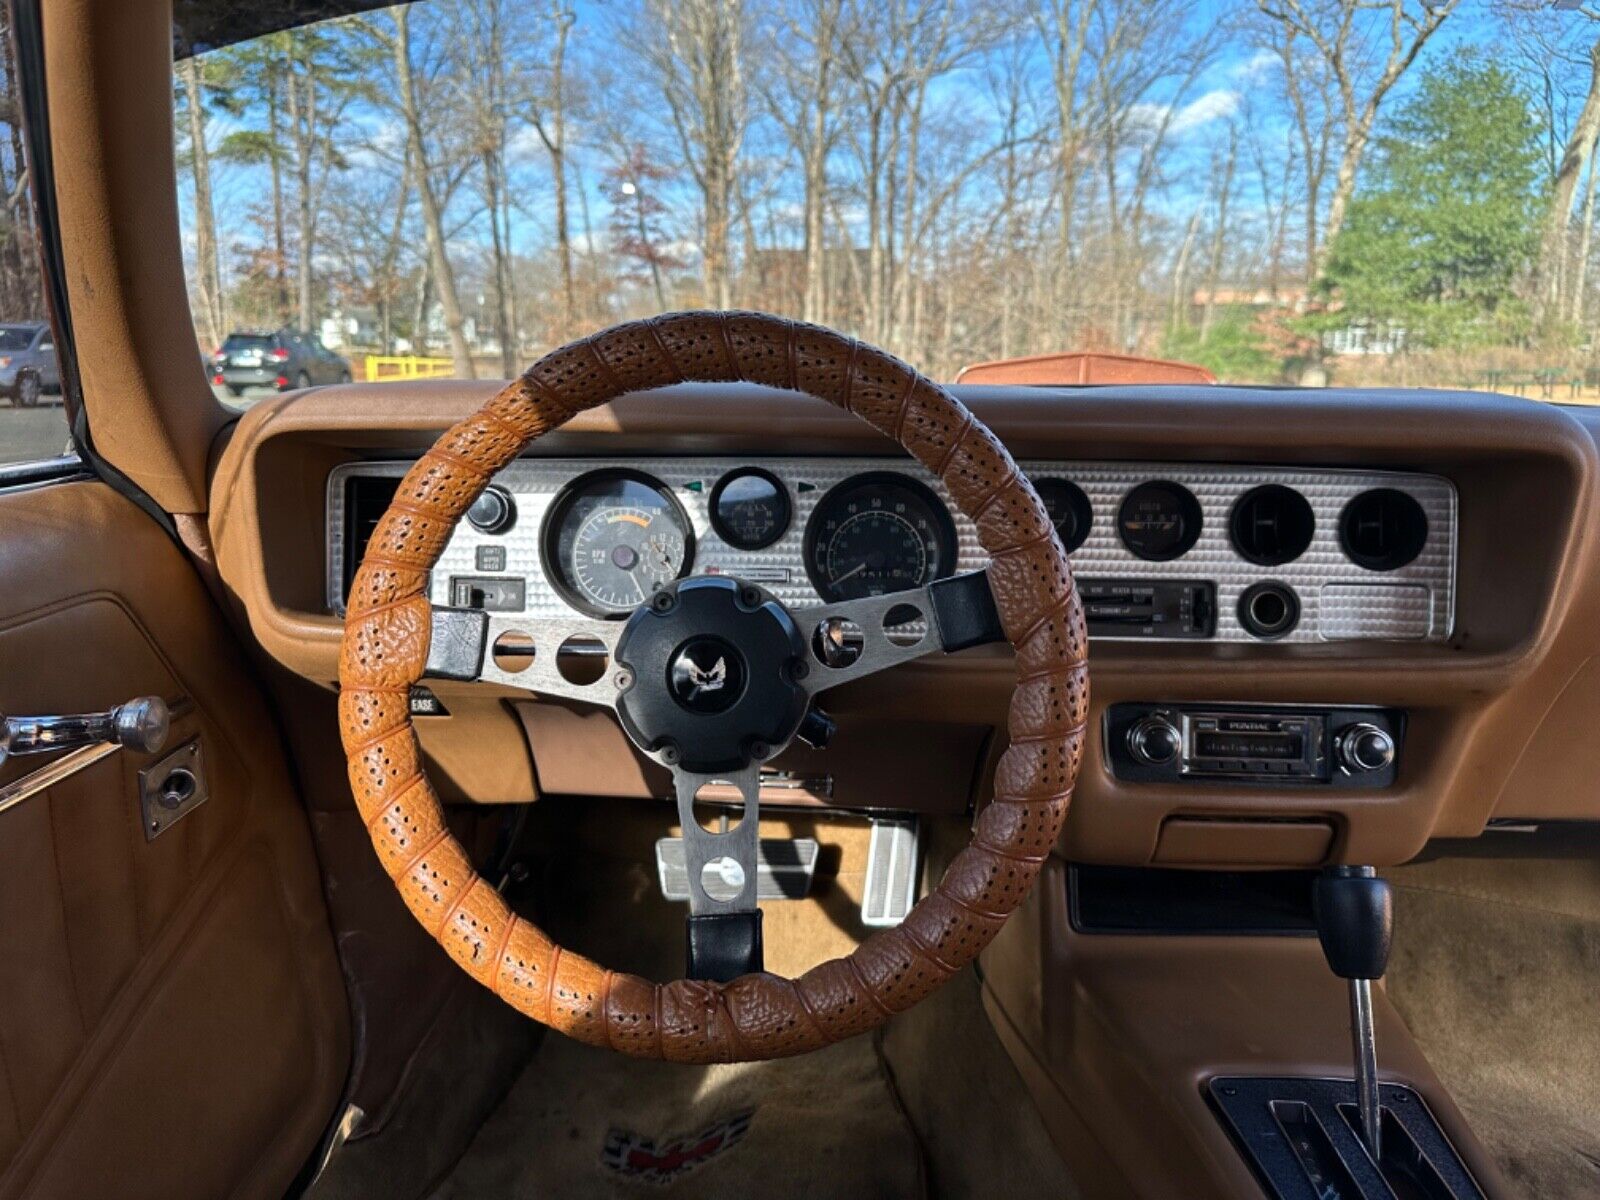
{"x": 1365, "y": 747}
{"x": 1154, "y": 741}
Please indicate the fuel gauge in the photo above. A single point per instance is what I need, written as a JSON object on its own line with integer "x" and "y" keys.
{"x": 750, "y": 508}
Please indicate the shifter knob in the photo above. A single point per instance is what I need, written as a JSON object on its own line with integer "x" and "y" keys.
{"x": 1355, "y": 921}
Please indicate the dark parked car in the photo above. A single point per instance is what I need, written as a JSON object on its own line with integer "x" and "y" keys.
{"x": 28, "y": 363}
{"x": 282, "y": 360}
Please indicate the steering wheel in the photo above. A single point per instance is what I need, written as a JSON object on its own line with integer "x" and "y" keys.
{"x": 711, "y": 678}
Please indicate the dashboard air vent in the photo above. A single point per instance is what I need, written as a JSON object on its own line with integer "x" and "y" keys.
{"x": 366, "y": 499}
{"x": 1271, "y": 525}
{"x": 1383, "y": 529}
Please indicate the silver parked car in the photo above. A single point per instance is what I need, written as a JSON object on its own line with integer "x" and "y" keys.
{"x": 28, "y": 363}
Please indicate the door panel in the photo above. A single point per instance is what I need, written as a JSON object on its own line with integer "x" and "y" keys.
{"x": 172, "y": 1017}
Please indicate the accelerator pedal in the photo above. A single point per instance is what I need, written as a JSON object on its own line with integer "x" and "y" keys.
{"x": 892, "y": 862}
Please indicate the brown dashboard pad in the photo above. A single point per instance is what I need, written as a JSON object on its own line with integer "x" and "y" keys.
{"x": 760, "y": 1015}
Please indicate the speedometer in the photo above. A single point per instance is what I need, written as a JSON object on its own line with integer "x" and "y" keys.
{"x": 878, "y": 533}
{"x": 613, "y": 539}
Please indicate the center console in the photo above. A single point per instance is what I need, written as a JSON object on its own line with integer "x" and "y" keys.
{"x": 1195, "y": 1011}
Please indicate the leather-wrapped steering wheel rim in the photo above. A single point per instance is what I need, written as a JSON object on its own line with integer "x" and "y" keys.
{"x": 760, "y": 1015}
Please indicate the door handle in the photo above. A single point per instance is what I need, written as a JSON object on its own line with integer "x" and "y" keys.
{"x": 140, "y": 724}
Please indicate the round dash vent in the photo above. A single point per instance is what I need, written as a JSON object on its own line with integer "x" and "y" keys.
{"x": 1383, "y": 529}
{"x": 1271, "y": 525}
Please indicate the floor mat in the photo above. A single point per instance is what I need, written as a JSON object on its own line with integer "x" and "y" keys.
{"x": 584, "y": 1122}
{"x": 1496, "y": 967}
{"x": 982, "y": 1136}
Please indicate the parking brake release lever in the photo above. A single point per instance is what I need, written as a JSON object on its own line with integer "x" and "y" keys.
{"x": 1355, "y": 923}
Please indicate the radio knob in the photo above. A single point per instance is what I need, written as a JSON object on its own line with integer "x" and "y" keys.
{"x": 493, "y": 511}
{"x": 1154, "y": 741}
{"x": 1365, "y": 747}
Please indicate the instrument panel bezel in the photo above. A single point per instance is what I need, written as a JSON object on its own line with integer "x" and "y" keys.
{"x": 1340, "y": 601}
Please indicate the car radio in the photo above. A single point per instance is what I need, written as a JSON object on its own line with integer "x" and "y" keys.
{"x": 1149, "y": 608}
{"x": 1171, "y": 743}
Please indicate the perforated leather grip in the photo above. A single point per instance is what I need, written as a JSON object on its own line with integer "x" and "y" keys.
{"x": 757, "y": 1016}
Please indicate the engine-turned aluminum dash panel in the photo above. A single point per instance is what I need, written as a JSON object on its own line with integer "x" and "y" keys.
{"x": 1338, "y": 600}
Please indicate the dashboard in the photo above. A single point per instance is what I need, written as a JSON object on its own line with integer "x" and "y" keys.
{"x": 1161, "y": 551}
{"x": 1434, "y": 558}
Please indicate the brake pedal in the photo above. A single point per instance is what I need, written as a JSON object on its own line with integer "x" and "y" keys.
{"x": 784, "y": 868}
{"x": 891, "y": 887}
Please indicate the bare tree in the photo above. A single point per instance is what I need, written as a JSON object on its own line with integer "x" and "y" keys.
{"x": 208, "y": 275}
{"x": 1065, "y": 26}
{"x": 21, "y": 286}
{"x": 319, "y": 81}
{"x": 1130, "y": 54}
{"x": 1179, "y": 314}
{"x": 547, "y": 102}
{"x": 1580, "y": 268}
{"x": 428, "y": 191}
{"x": 807, "y": 39}
{"x": 694, "y": 50}
{"x": 484, "y": 93}
{"x": 1307, "y": 87}
{"x": 1569, "y": 45}
{"x": 1344, "y": 34}
{"x": 1223, "y": 172}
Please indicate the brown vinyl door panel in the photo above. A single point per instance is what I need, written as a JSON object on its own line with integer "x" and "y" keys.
{"x": 172, "y": 1017}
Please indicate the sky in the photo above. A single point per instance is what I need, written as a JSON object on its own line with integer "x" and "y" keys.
{"x": 1239, "y": 77}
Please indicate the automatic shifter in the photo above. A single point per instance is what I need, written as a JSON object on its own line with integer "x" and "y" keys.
{"x": 1355, "y": 923}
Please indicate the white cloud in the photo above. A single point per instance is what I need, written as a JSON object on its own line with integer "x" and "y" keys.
{"x": 1261, "y": 63}
{"x": 1216, "y": 105}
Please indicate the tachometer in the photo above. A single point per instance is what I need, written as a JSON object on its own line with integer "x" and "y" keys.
{"x": 614, "y": 538}
{"x": 878, "y": 533}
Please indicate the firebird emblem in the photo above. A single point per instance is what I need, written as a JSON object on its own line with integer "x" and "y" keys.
{"x": 708, "y": 681}
{"x": 638, "y": 1157}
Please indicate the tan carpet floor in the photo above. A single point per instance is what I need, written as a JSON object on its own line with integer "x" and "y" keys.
{"x": 931, "y": 1107}
{"x": 822, "y": 1126}
{"x": 1496, "y": 969}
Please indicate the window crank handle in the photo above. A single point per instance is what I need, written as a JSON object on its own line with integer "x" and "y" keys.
{"x": 140, "y": 724}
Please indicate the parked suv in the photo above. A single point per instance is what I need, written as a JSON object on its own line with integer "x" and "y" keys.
{"x": 28, "y": 363}
{"x": 282, "y": 360}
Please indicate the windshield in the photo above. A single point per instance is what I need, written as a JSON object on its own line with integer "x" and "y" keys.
{"x": 1349, "y": 192}
{"x": 16, "y": 337}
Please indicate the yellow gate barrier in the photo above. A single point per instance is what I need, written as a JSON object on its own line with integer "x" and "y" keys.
{"x": 408, "y": 366}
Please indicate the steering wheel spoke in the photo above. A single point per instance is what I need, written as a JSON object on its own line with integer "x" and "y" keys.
{"x": 572, "y": 658}
{"x": 724, "y": 927}
{"x": 856, "y": 638}
{"x": 731, "y": 855}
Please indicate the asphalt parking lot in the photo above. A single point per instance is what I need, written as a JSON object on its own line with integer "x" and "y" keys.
{"x": 33, "y": 433}
{"x": 28, "y": 434}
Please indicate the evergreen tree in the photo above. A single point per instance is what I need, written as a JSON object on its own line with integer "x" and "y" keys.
{"x": 1445, "y": 227}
